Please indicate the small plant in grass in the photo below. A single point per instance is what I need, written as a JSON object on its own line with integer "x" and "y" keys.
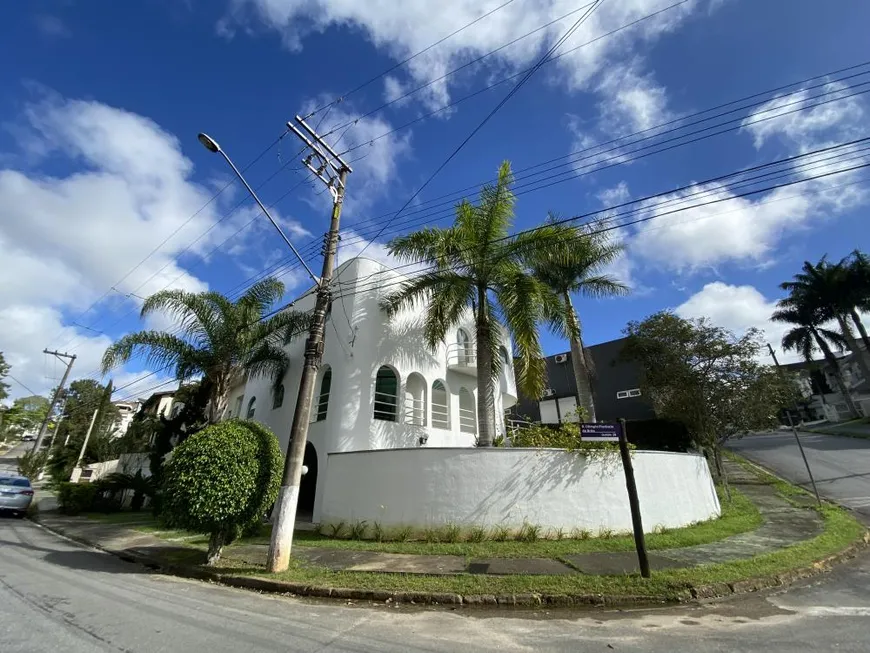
{"x": 529, "y": 533}
{"x": 581, "y": 534}
{"x": 431, "y": 535}
{"x": 402, "y": 534}
{"x": 501, "y": 534}
{"x": 358, "y": 530}
{"x": 476, "y": 534}
{"x": 335, "y": 529}
{"x": 450, "y": 533}
{"x": 222, "y": 480}
{"x": 557, "y": 534}
{"x": 378, "y": 532}
{"x": 605, "y": 533}
{"x": 661, "y": 529}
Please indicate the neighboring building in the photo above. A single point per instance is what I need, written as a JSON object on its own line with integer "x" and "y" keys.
{"x": 127, "y": 410}
{"x": 379, "y": 386}
{"x": 615, "y": 388}
{"x": 161, "y": 404}
{"x": 822, "y": 398}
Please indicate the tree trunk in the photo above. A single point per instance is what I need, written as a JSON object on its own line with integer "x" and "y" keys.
{"x": 485, "y": 393}
{"x": 859, "y": 354}
{"x": 217, "y": 404}
{"x": 720, "y": 471}
{"x": 215, "y": 546}
{"x": 861, "y": 330}
{"x": 582, "y": 378}
{"x": 838, "y": 374}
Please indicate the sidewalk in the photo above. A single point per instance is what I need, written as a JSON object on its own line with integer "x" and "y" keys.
{"x": 784, "y": 525}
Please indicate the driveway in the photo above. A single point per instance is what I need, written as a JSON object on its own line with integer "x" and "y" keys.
{"x": 841, "y": 466}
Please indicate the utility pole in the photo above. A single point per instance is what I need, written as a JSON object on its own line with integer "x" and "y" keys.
{"x": 332, "y": 171}
{"x": 57, "y": 393}
{"x": 794, "y": 430}
{"x": 85, "y": 443}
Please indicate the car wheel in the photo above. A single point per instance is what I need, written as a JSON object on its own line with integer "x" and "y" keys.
{"x": 18, "y": 515}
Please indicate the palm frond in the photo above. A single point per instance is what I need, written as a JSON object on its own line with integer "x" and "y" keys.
{"x": 519, "y": 295}
{"x": 262, "y": 295}
{"x": 157, "y": 348}
{"x": 267, "y": 359}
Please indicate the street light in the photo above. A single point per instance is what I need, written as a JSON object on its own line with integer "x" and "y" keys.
{"x": 212, "y": 146}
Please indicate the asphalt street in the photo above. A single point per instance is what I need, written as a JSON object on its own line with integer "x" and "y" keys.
{"x": 58, "y": 596}
{"x": 841, "y": 466}
{"x": 9, "y": 460}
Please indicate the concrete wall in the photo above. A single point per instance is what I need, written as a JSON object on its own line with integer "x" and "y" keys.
{"x": 549, "y": 487}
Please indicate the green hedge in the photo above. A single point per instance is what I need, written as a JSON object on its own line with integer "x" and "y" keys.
{"x": 75, "y": 498}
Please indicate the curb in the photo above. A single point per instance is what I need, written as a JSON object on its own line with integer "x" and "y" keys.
{"x": 688, "y": 595}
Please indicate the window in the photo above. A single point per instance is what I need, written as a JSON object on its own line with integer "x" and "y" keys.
{"x": 415, "y": 400}
{"x": 323, "y": 398}
{"x": 467, "y": 417}
{"x": 466, "y": 355}
{"x": 252, "y": 406}
{"x": 440, "y": 406}
{"x": 505, "y": 358}
{"x": 238, "y": 410}
{"x": 625, "y": 394}
{"x": 386, "y": 392}
{"x": 278, "y": 397}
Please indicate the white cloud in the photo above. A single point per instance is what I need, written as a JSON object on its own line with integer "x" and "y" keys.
{"x": 404, "y": 28}
{"x": 51, "y": 26}
{"x": 738, "y": 308}
{"x": 67, "y": 238}
{"x": 614, "y": 195}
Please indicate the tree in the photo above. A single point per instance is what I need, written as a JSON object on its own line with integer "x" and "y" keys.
{"x": 222, "y": 480}
{"x": 807, "y": 335}
{"x": 476, "y": 265}
{"x": 573, "y": 262}
{"x": 4, "y": 372}
{"x": 26, "y": 413}
{"x": 706, "y": 377}
{"x": 858, "y": 281}
{"x": 83, "y": 397}
{"x": 828, "y": 291}
{"x": 219, "y": 339}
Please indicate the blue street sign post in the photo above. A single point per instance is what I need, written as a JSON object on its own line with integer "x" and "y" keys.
{"x": 600, "y": 432}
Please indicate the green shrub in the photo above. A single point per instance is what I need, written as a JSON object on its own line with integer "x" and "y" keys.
{"x": 32, "y": 463}
{"x": 222, "y": 480}
{"x": 403, "y": 533}
{"x": 142, "y": 487}
{"x": 378, "y": 532}
{"x": 450, "y": 533}
{"x": 358, "y": 530}
{"x": 336, "y": 529}
{"x": 431, "y": 535}
{"x": 501, "y": 534}
{"x": 529, "y": 533}
{"x": 75, "y": 498}
{"x": 476, "y": 534}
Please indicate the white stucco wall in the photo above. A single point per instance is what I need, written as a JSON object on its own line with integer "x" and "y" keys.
{"x": 548, "y": 487}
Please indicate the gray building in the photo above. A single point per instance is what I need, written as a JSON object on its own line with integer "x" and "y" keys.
{"x": 615, "y": 386}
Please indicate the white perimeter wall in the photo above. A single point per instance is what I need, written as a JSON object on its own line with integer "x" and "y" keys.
{"x": 548, "y": 487}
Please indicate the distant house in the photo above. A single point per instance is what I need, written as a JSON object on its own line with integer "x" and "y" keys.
{"x": 822, "y": 398}
{"x": 127, "y": 410}
{"x": 615, "y": 388}
{"x": 162, "y": 404}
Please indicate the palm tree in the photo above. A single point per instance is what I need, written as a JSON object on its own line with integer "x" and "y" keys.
{"x": 218, "y": 339}
{"x": 476, "y": 265}
{"x": 808, "y": 335}
{"x": 858, "y": 285}
{"x": 573, "y": 262}
{"x": 826, "y": 289}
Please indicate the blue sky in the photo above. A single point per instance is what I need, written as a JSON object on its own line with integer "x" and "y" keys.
{"x": 100, "y": 104}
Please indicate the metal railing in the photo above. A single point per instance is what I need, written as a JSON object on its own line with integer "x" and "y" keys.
{"x": 468, "y": 420}
{"x": 440, "y": 416}
{"x": 415, "y": 411}
{"x": 461, "y": 354}
{"x": 386, "y": 406}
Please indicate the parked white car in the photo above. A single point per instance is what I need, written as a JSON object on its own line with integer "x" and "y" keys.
{"x": 16, "y": 494}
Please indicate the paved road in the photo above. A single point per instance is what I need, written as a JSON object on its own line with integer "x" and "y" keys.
{"x": 841, "y": 466}
{"x": 9, "y": 460}
{"x": 58, "y": 596}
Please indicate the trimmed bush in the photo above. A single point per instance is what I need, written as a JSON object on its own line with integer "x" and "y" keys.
{"x": 75, "y": 498}
{"x": 31, "y": 463}
{"x": 222, "y": 480}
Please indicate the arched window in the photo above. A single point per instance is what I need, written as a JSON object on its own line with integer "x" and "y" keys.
{"x": 278, "y": 397}
{"x": 466, "y": 355}
{"x": 252, "y": 406}
{"x": 415, "y": 400}
{"x": 323, "y": 397}
{"x": 440, "y": 406}
{"x": 505, "y": 358}
{"x": 386, "y": 394}
{"x": 467, "y": 417}
{"x": 239, "y": 407}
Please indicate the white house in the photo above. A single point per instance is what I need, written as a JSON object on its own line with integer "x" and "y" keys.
{"x": 126, "y": 412}
{"x": 379, "y": 386}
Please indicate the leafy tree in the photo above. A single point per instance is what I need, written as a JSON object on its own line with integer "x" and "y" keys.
{"x": 4, "y": 372}
{"x": 706, "y": 377}
{"x": 807, "y": 336}
{"x": 573, "y": 263}
{"x": 222, "y": 480}
{"x": 478, "y": 266}
{"x": 832, "y": 291}
{"x": 26, "y": 413}
{"x": 83, "y": 397}
{"x": 219, "y": 339}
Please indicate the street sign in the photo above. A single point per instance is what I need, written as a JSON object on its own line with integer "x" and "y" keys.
{"x": 600, "y": 432}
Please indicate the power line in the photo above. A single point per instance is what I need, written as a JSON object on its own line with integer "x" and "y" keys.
{"x": 495, "y": 110}
{"x": 343, "y": 97}
{"x": 21, "y": 384}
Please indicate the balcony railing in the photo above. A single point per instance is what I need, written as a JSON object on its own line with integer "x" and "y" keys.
{"x": 462, "y": 356}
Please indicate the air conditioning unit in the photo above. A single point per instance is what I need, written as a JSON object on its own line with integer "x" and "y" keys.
{"x": 561, "y": 358}
{"x": 549, "y": 392}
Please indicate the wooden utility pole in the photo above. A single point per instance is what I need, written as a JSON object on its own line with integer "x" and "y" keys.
{"x": 634, "y": 504}
{"x": 332, "y": 171}
{"x": 794, "y": 430}
{"x": 44, "y": 426}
